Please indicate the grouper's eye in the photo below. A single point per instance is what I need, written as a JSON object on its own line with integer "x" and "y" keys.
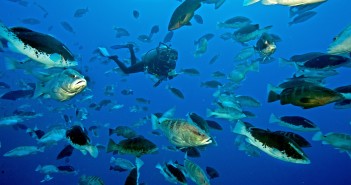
{"x": 73, "y": 76}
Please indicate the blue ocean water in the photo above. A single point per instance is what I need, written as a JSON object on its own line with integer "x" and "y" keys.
{"x": 95, "y": 29}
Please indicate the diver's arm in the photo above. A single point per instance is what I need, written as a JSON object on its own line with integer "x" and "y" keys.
{"x": 159, "y": 81}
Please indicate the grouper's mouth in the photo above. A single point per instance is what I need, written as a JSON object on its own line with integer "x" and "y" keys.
{"x": 75, "y": 87}
{"x": 207, "y": 141}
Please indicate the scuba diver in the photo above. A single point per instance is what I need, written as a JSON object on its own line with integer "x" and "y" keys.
{"x": 160, "y": 62}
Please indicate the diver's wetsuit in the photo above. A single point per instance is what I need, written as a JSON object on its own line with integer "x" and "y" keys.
{"x": 134, "y": 68}
{"x": 151, "y": 65}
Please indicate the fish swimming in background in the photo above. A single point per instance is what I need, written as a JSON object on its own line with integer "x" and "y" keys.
{"x": 341, "y": 141}
{"x": 302, "y": 17}
{"x": 168, "y": 37}
{"x": 217, "y": 3}
{"x": 305, "y": 96}
{"x": 121, "y": 164}
{"x": 136, "y": 14}
{"x": 176, "y": 92}
{"x": 123, "y": 131}
{"x": 31, "y": 21}
{"x": 137, "y": 146}
{"x": 234, "y": 22}
{"x": 212, "y": 172}
{"x": 121, "y": 32}
{"x": 80, "y": 12}
{"x": 65, "y": 152}
{"x": 265, "y": 45}
{"x": 249, "y": 32}
{"x": 172, "y": 172}
{"x": 300, "y": 9}
{"x": 65, "y": 25}
{"x": 198, "y": 19}
{"x": 282, "y": 2}
{"x": 295, "y": 122}
{"x": 195, "y": 173}
{"x": 23, "y": 151}
{"x": 155, "y": 29}
{"x": 183, "y": 14}
{"x": 90, "y": 180}
{"x": 40, "y": 47}
{"x": 47, "y": 170}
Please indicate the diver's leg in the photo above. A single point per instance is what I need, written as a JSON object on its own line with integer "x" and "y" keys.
{"x": 138, "y": 67}
{"x": 120, "y": 64}
{"x": 132, "y": 54}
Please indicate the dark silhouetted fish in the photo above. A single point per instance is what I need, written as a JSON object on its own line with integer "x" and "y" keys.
{"x": 198, "y": 19}
{"x": 80, "y": 12}
{"x": 18, "y": 94}
{"x": 136, "y": 14}
{"x": 123, "y": 131}
{"x": 168, "y": 37}
{"x": 207, "y": 37}
{"x": 199, "y": 121}
{"x": 302, "y": 17}
{"x": 137, "y": 146}
{"x": 300, "y": 9}
{"x": 65, "y": 25}
{"x": 155, "y": 29}
{"x": 66, "y": 169}
{"x": 214, "y": 59}
{"x": 294, "y": 122}
{"x": 4, "y": 85}
{"x": 20, "y": 126}
{"x": 191, "y": 152}
{"x": 176, "y": 92}
{"x": 214, "y": 125}
{"x": 65, "y": 152}
{"x": 30, "y": 21}
{"x": 325, "y": 62}
{"x": 121, "y": 32}
{"x": 213, "y": 173}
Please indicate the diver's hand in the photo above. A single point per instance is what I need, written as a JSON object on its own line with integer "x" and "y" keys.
{"x": 172, "y": 74}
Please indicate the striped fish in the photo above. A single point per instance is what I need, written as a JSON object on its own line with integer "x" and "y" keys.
{"x": 90, "y": 180}
{"x": 180, "y": 132}
{"x": 195, "y": 173}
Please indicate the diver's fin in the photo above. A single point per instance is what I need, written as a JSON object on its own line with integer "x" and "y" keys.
{"x": 103, "y": 52}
